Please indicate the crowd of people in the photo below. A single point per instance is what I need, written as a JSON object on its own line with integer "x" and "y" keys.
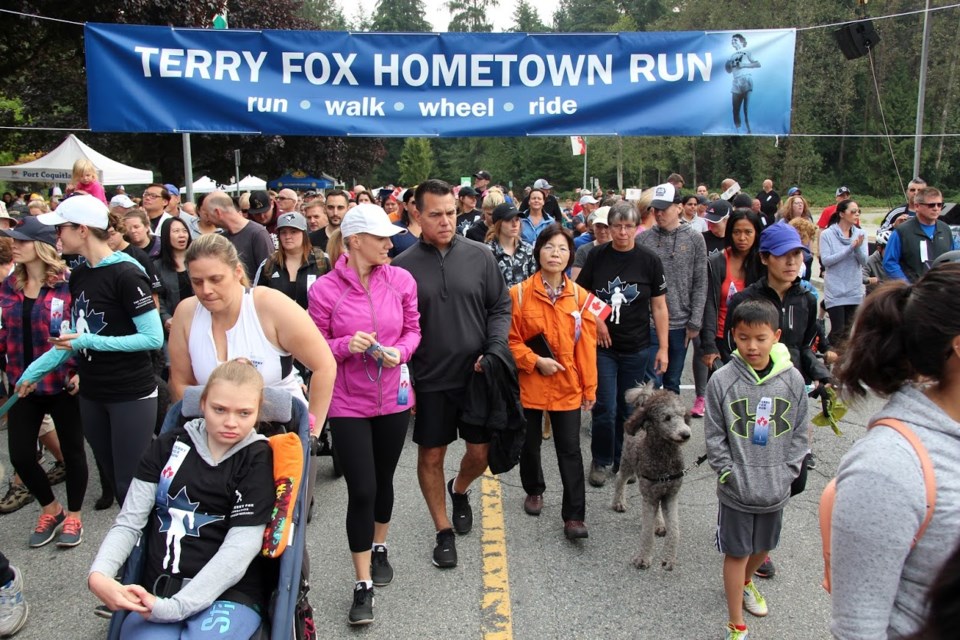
{"x": 487, "y": 317}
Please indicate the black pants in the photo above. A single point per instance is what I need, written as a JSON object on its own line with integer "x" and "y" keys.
{"x": 119, "y": 434}
{"x": 566, "y": 438}
{"x": 841, "y": 321}
{"x": 369, "y": 450}
{"x": 24, "y": 420}
{"x": 6, "y": 573}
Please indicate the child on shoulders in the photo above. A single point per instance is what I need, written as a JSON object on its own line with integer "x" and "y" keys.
{"x": 756, "y": 436}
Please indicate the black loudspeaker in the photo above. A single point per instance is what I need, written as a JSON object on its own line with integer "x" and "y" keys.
{"x": 856, "y": 39}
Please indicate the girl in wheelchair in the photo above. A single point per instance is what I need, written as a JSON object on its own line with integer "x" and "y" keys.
{"x": 201, "y": 498}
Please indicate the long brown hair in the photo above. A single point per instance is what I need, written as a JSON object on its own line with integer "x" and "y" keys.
{"x": 55, "y": 267}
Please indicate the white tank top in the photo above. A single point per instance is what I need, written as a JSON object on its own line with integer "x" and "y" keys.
{"x": 244, "y": 340}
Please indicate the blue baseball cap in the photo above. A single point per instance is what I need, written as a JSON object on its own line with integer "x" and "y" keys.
{"x": 172, "y": 189}
{"x": 779, "y": 239}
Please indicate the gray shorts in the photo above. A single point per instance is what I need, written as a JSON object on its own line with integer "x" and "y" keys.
{"x": 741, "y": 534}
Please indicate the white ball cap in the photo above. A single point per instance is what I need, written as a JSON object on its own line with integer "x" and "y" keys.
{"x": 368, "y": 218}
{"x": 80, "y": 209}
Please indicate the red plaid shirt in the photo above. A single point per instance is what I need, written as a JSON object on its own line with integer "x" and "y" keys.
{"x": 11, "y": 332}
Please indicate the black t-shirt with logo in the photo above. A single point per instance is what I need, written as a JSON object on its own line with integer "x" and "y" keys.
{"x": 628, "y": 280}
{"x": 105, "y": 301}
{"x": 141, "y": 256}
{"x": 714, "y": 243}
{"x": 200, "y": 505}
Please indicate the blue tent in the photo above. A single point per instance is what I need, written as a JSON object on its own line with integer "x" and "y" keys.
{"x": 299, "y": 180}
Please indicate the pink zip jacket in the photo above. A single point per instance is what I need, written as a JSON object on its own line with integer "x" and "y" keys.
{"x": 340, "y": 306}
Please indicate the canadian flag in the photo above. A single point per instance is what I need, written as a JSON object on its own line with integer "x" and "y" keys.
{"x": 597, "y": 307}
{"x": 579, "y": 145}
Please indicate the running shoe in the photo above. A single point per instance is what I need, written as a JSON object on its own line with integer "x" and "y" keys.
{"x": 445, "y": 553}
{"x": 380, "y": 570}
{"x": 699, "y": 407}
{"x": 462, "y": 513}
{"x": 766, "y": 570}
{"x": 57, "y": 473}
{"x": 753, "y": 602}
{"x": 736, "y": 634}
{"x": 361, "y": 611}
{"x": 13, "y": 608}
{"x": 71, "y": 534}
{"x": 46, "y": 529}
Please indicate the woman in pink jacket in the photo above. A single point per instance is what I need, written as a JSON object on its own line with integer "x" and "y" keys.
{"x": 367, "y": 311}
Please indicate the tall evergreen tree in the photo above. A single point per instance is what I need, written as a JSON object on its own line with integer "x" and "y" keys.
{"x": 526, "y": 19}
{"x": 400, "y": 16}
{"x": 416, "y": 161}
{"x": 470, "y": 15}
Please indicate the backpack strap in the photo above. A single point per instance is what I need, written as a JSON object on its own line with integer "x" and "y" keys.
{"x": 926, "y": 466}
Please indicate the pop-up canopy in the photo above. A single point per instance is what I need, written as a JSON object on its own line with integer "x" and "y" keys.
{"x": 57, "y": 166}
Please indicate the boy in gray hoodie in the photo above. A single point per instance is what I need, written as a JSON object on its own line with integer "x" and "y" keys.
{"x": 756, "y": 435}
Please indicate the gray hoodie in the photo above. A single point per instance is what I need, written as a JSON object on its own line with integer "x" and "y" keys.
{"x": 224, "y": 569}
{"x": 879, "y": 581}
{"x": 756, "y": 478}
{"x": 843, "y": 278}
{"x": 684, "y": 256}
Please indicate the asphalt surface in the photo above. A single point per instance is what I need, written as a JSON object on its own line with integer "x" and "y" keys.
{"x": 557, "y": 588}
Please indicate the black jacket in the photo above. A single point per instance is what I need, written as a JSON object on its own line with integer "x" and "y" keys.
{"x": 798, "y": 323}
{"x": 492, "y": 400}
{"x": 274, "y": 275}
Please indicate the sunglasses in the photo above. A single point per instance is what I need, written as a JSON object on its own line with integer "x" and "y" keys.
{"x": 932, "y": 205}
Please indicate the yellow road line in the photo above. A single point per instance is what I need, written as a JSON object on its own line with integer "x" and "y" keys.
{"x": 495, "y": 616}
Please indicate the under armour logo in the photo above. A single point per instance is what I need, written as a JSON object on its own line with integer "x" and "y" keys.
{"x": 744, "y": 419}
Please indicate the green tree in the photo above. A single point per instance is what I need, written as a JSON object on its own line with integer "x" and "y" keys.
{"x": 324, "y": 14}
{"x": 400, "y": 16}
{"x": 416, "y": 161}
{"x": 526, "y": 19}
{"x": 585, "y": 16}
{"x": 470, "y": 15}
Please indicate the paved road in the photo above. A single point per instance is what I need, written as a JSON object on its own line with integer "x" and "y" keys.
{"x": 555, "y": 588}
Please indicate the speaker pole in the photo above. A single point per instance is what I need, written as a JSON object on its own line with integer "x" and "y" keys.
{"x": 921, "y": 91}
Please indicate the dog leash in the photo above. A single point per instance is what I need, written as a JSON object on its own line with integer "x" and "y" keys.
{"x": 677, "y": 476}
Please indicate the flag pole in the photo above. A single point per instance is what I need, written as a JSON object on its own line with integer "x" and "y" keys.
{"x": 585, "y": 163}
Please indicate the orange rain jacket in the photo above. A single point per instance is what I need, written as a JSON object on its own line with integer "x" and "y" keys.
{"x": 534, "y": 314}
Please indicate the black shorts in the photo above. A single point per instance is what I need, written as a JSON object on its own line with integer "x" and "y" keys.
{"x": 741, "y": 534}
{"x": 438, "y": 420}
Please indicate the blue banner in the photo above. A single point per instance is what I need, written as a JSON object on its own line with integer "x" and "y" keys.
{"x": 161, "y": 79}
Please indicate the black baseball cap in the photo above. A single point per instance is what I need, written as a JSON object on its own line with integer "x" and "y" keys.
{"x": 505, "y": 212}
{"x": 30, "y": 228}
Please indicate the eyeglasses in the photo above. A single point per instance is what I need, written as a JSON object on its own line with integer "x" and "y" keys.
{"x": 932, "y": 205}
{"x": 148, "y": 194}
{"x": 623, "y": 227}
{"x": 70, "y": 225}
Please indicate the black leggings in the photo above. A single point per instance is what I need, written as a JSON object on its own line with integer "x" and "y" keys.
{"x": 841, "y": 320}
{"x": 566, "y": 438}
{"x": 119, "y": 434}
{"x": 24, "y": 419}
{"x": 369, "y": 450}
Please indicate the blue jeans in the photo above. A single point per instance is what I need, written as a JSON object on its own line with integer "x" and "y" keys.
{"x": 676, "y": 353}
{"x": 616, "y": 372}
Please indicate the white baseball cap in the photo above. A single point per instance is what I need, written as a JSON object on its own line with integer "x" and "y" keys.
{"x": 588, "y": 199}
{"x": 664, "y": 195}
{"x": 80, "y": 209}
{"x": 368, "y": 218}
{"x": 123, "y": 201}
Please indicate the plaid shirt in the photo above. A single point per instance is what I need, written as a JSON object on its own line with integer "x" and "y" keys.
{"x": 515, "y": 268}
{"x": 11, "y": 332}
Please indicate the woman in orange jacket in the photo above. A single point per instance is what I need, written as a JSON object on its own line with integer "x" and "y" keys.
{"x": 554, "y": 341}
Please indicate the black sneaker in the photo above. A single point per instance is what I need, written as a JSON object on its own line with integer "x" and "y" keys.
{"x": 766, "y": 570}
{"x": 462, "y": 513}
{"x": 361, "y": 611}
{"x": 445, "y": 553}
{"x": 380, "y": 570}
{"x": 811, "y": 461}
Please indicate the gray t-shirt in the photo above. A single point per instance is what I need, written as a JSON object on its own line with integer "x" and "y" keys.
{"x": 254, "y": 245}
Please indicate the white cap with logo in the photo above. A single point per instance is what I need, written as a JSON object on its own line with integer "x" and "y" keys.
{"x": 368, "y": 218}
{"x": 80, "y": 209}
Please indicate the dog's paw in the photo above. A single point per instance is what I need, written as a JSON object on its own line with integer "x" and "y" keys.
{"x": 661, "y": 531}
{"x": 642, "y": 563}
{"x": 667, "y": 565}
{"x": 619, "y": 506}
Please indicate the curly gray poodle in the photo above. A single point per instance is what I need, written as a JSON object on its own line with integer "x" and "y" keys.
{"x": 653, "y": 435}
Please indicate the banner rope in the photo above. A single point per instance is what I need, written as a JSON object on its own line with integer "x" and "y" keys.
{"x": 811, "y": 27}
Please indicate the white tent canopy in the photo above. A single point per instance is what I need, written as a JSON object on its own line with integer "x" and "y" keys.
{"x": 57, "y": 166}
{"x": 250, "y": 183}
{"x": 204, "y": 184}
